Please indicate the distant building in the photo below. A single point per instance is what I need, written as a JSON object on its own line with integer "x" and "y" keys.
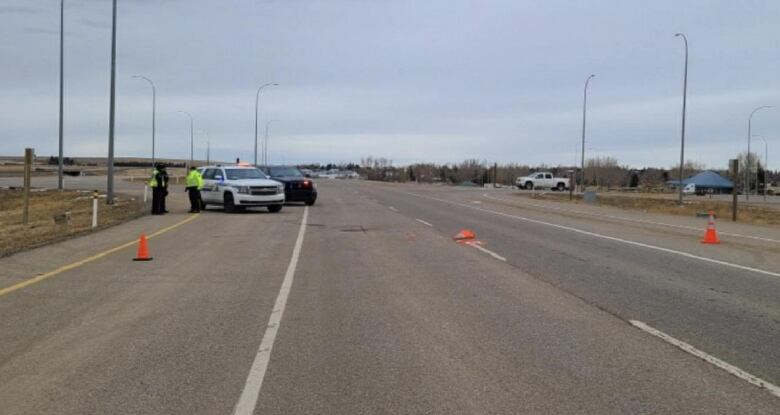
{"x": 706, "y": 182}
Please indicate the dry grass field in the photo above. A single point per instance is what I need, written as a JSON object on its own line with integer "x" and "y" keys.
{"x": 748, "y": 213}
{"x": 45, "y": 205}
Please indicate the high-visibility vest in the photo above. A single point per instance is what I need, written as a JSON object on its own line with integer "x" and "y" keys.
{"x": 194, "y": 179}
{"x": 153, "y": 180}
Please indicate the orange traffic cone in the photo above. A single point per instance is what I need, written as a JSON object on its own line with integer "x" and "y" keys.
{"x": 143, "y": 250}
{"x": 711, "y": 235}
{"x": 464, "y": 234}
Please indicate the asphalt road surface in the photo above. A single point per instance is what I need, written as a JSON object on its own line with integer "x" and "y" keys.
{"x": 364, "y": 304}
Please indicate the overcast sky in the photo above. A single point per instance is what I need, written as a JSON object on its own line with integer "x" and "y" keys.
{"x": 432, "y": 80}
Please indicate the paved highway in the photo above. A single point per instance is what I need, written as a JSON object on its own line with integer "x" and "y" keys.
{"x": 364, "y": 304}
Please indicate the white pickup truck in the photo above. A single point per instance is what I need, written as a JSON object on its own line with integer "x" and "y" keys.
{"x": 542, "y": 180}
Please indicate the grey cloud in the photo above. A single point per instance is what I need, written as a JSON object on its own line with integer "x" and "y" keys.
{"x": 19, "y": 9}
{"x": 408, "y": 80}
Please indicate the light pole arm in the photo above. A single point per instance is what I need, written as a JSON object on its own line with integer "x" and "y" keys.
{"x": 682, "y": 128}
{"x": 257, "y": 104}
{"x": 584, "y": 114}
{"x": 154, "y": 112}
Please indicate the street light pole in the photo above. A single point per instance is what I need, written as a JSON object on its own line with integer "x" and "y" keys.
{"x": 112, "y": 111}
{"x": 584, "y": 113}
{"x": 265, "y": 143}
{"x": 61, "y": 163}
{"x": 682, "y": 133}
{"x": 748, "y": 163}
{"x": 208, "y": 145}
{"x": 192, "y": 136}
{"x": 766, "y": 161}
{"x": 257, "y": 103}
{"x": 154, "y": 110}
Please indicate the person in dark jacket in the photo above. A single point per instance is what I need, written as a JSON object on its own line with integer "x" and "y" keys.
{"x": 164, "y": 183}
{"x": 157, "y": 191}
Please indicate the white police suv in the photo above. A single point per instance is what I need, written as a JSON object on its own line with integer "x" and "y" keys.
{"x": 237, "y": 187}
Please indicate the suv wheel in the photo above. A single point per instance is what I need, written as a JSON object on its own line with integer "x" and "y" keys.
{"x": 230, "y": 204}
{"x": 529, "y": 185}
{"x": 275, "y": 208}
{"x": 310, "y": 202}
{"x": 561, "y": 187}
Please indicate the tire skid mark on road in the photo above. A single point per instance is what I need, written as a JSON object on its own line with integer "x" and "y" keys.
{"x": 753, "y": 380}
{"x": 607, "y": 237}
{"x": 248, "y": 401}
{"x": 623, "y": 218}
{"x": 64, "y": 268}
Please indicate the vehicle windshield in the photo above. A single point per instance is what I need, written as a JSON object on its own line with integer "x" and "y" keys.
{"x": 238, "y": 174}
{"x": 285, "y": 172}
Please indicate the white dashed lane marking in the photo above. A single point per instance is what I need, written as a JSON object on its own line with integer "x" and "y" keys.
{"x": 754, "y": 380}
{"x": 424, "y": 222}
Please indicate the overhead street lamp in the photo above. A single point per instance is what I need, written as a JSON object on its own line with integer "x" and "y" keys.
{"x": 584, "y": 113}
{"x": 192, "y": 136}
{"x": 748, "y": 163}
{"x": 766, "y": 165}
{"x": 265, "y": 144}
{"x": 61, "y": 162}
{"x": 112, "y": 111}
{"x": 257, "y": 103}
{"x": 154, "y": 110}
{"x": 682, "y": 133}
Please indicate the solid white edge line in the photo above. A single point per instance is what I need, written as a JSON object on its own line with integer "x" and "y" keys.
{"x": 610, "y": 238}
{"x": 623, "y": 218}
{"x": 424, "y": 222}
{"x": 487, "y": 251}
{"x": 754, "y": 380}
{"x": 254, "y": 381}
{"x": 392, "y": 208}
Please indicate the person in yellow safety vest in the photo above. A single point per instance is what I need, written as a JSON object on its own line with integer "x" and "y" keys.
{"x": 158, "y": 191}
{"x": 194, "y": 183}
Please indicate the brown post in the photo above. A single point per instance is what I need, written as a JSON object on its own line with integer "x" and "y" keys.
{"x": 734, "y": 167}
{"x": 28, "y": 160}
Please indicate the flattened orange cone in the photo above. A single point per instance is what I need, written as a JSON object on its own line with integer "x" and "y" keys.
{"x": 711, "y": 234}
{"x": 143, "y": 250}
{"x": 464, "y": 234}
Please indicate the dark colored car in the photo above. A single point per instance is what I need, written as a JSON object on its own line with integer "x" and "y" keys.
{"x": 297, "y": 187}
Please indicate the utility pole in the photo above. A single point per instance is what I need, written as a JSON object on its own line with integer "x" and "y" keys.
{"x": 682, "y": 134}
{"x": 61, "y": 163}
{"x": 112, "y": 111}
